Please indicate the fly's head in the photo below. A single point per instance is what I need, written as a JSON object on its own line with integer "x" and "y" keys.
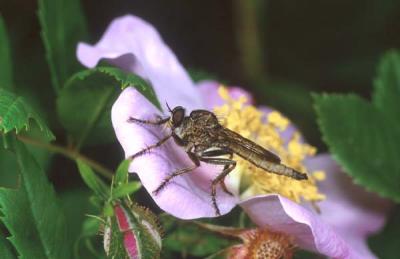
{"x": 177, "y": 116}
{"x": 176, "y": 121}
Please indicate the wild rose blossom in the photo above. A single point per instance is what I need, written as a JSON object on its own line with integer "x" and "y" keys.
{"x": 135, "y": 46}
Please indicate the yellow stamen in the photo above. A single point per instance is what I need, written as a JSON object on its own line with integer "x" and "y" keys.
{"x": 266, "y": 131}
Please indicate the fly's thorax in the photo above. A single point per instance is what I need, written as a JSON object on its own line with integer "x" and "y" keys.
{"x": 183, "y": 129}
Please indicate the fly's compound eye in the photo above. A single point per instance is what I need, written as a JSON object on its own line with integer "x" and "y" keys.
{"x": 178, "y": 114}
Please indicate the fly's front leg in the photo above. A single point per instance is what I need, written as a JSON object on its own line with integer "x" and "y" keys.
{"x": 196, "y": 162}
{"x": 229, "y": 166}
{"x": 149, "y": 148}
{"x": 158, "y": 122}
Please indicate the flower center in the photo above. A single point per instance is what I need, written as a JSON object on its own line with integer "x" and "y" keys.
{"x": 268, "y": 130}
{"x": 266, "y": 244}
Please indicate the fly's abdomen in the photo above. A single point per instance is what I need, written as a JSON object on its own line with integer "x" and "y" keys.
{"x": 281, "y": 170}
{"x": 272, "y": 167}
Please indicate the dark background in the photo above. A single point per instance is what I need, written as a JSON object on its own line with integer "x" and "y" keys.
{"x": 300, "y": 46}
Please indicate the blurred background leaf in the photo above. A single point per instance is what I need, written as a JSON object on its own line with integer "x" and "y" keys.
{"x": 63, "y": 25}
{"x": 5, "y": 58}
{"x": 5, "y": 249}
{"x": 76, "y": 205}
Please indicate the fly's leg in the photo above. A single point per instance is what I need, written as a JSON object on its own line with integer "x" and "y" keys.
{"x": 220, "y": 152}
{"x": 149, "y": 148}
{"x": 158, "y": 122}
{"x": 229, "y": 166}
{"x": 169, "y": 177}
{"x": 222, "y": 182}
{"x": 196, "y": 162}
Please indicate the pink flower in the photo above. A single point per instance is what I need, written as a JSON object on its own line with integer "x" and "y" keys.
{"x": 135, "y": 46}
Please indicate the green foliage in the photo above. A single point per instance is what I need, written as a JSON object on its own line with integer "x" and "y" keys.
{"x": 75, "y": 203}
{"x": 15, "y": 113}
{"x": 32, "y": 214}
{"x": 93, "y": 181}
{"x": 8, "y": 169}
{"x": 84, "y": 105}
{"x": 5, "y": 58}
{"x": 387, "y": 87}
{"x": 126, "y": 189}
{"x": 89, "y": 244}
{"x": 63, "y": 25}
{"x": 5, "y": 249}
{"x": 189, "y": 239}
{"x": 121, "y": 175}
{"x": 362, "y": 136}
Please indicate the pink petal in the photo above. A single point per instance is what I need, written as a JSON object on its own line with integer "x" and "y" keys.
{"x": 209, "y": 92}
{"x": 354, "y": 212}
{"x": 308, "y": 230}
{"x": 347, "y": 217}
{"x": 187, "y": 196}
{"x": 135, "y": 46}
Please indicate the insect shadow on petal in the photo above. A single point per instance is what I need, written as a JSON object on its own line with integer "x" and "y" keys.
{"x": 205, "y": 140}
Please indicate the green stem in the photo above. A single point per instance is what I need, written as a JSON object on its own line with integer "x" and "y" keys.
{"x": 74, "y": 155}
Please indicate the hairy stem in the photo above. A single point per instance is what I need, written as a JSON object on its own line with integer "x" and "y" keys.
{"x": 72, "y": 154}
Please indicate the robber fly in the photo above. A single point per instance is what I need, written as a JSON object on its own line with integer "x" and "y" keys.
{"x": 206, "y": 140}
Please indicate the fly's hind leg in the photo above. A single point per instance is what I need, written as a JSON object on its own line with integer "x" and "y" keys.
{"x": 229, "y": 166}
{"x": 220, "y": 152}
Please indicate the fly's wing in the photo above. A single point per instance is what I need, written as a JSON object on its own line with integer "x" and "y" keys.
{"x": 246, "y": 148}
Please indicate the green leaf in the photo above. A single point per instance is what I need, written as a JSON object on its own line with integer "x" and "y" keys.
{"x": 32, "y": 214}
{"x": 75, "y": 203}
{"x": 89, "y": 244}
{"x": 92, "y": 180}
{"x": 5, "y": 58}
{"x": 121, "y": 186}
{"x": 8, "y": 169}
{"x": 362, "y": 136}
{"x": 126, "y": 189}
{"x": 188, "y": 238}
{"x": 15, "y": 113}
{"x": 84, "y": 105}
{"x": 63, "y": 25}
{"x": 5, "y": 249}
{"x": 121, "y": 176}
{"x": 387, "y": 86}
